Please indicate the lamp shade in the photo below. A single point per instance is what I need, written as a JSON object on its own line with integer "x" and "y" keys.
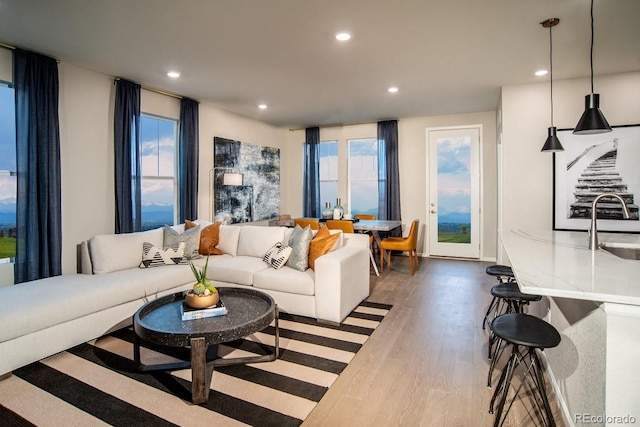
{"x": 552, "y": 144}
{"x": 592, "y": 120}
{"x": 234, "y": 179}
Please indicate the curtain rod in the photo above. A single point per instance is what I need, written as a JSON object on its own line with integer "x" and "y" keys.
{"x": 8, "y": 46}
{"x": 153, "y": 89}
{"x": 336, "y": 125}
{"x": 149, "y": 88}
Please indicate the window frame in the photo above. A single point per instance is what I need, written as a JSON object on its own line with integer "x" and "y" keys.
{"x": 175, "y": 178}
{"x": 350, "y": 180}
{"x": 324, "y": 200}
{"x": 7, "y": 172}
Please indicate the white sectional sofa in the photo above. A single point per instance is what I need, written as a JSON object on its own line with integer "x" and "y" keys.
{"x": 46, "y": 316}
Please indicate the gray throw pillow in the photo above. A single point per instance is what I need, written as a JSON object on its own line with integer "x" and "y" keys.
{"x": 299, "y": 240}
{"x": 190, "y": 237}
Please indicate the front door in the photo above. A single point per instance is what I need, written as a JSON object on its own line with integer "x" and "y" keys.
{"x": 454, "y": 192}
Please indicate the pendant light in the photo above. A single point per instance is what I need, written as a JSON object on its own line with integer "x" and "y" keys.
{"x": 592, "y": 120}
{"x": 552, "y": 144}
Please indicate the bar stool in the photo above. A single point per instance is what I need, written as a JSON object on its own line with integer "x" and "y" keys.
{"x": 525, "y": 334}
{"x": 508, "y": 299}
{"x": 504, "y": 274}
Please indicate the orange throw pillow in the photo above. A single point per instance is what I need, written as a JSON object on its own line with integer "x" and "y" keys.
{"x": 209, "y": 238}
{"x": 321, "y": 244}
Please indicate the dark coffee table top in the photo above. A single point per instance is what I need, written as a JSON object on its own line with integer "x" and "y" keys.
{"x": 159, "y": 321}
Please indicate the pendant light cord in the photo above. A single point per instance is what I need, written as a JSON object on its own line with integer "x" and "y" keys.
{"x": 591, "y": 55}
{"x": 551, "y": 71}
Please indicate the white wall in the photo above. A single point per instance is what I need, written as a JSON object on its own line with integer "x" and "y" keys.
{"x": 215, "y": 122}
{"x": 527, "y": 187}
{"x": 413, "y": 168}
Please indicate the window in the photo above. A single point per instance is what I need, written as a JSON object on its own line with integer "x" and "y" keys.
{"x": 159, "y": 183}
{"x": 363, "y": 176}
{"x": 328, "y": 172}
{"x": 8, "y": 182}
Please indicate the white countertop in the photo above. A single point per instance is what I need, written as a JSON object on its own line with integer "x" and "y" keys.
{"x": 560, "y": 264}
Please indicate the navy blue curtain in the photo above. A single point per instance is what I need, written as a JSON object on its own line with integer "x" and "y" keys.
{"x": 311, "y": 191}
{"x": 188, "y": 160}
{"x": 38, "y": 215}
{"x": 127, "y": 157}
{"x": 388, "y": 171}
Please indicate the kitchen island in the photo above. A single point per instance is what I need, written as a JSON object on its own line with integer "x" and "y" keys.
{"x": 593, "y": 299}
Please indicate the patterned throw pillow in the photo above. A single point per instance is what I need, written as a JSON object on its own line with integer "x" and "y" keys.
{"x": 278, "y": 255}
{"x": 299, "y": 240}
{"x": 190, "y": 237}
{"x": 153, "y": 256}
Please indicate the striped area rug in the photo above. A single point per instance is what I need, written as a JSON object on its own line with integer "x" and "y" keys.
{"x": 97, "y": 384}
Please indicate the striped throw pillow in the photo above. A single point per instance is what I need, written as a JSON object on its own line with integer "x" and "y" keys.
{"x": 153, "y": 256}
{"x": 277, "y": 255}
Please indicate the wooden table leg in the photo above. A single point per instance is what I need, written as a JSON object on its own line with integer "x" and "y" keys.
{"x": 201, "y": 371}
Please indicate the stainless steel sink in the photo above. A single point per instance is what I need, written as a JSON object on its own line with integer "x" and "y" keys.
{"x": 622, "y": 250}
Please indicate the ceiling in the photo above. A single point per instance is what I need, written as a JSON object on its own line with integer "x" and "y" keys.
{"x": 446, "y": 57}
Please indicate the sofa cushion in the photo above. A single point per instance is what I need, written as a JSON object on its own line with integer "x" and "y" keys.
{"x": 238, "y": 269}
{"x": 153, "y": 256}
{"x": 190, "y": 237}
{"x": 229, "y": 236}
{"x": 286, "y": 280}
{"x": 73, "y": 296}
{"x": 255, "y": 240}
{"x": 299, "y": 240}
{"x": 114, "y": 252}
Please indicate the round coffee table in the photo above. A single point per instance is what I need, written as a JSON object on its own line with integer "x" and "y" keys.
{"x": 160, "y": 322}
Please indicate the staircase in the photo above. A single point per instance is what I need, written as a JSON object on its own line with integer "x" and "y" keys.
{"x": 600, "y": 177}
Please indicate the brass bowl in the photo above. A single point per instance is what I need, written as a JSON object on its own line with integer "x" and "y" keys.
{"x": 201, "y": 301}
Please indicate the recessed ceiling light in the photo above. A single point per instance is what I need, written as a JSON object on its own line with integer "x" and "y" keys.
{"x": 541, "y": 73}
{"x": 262, "y": 106}
{"x": 173, "y": 74}
{"x": 392, "y": 89}
{"x": 343, "y": 36}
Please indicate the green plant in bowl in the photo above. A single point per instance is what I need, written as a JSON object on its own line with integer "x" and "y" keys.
{"x": 203, "y": 293}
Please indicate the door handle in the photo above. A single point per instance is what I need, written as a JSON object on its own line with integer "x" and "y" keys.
{"x": 432, "y": 211}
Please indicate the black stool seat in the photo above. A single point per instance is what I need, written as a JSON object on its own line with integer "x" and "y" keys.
{"x": 525, "y": 330}
{"x": 526, "y": 335}
{"x": 512, "y": 292}
{"x": 499, "y": 270}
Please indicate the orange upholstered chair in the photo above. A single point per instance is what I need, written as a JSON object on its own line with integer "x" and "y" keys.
{"x": 336, "y": 224}
{"x": 405, "y": 244}
{"x": 303, "y": 222}
{"x": 347, "y": 227}
{"x": 367, "y": 217}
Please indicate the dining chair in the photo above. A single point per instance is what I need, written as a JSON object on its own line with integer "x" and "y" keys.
{"x": 347, "y": 227}
{"x": 303, "y": 222}
{"x": 367, "y": 217}
{"x": 337, "y": 224}
{"x": 405, "y": 244}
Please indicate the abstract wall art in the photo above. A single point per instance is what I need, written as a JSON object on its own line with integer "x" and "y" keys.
{"x": 259, "y": 196}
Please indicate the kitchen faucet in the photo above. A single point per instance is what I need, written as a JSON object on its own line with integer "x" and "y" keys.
{"x": 593, "y": 231}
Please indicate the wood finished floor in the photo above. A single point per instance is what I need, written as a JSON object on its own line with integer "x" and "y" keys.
{"x": 426, "y": 364}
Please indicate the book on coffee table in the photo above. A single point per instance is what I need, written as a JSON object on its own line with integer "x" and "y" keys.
{"x": 189, "y": 313}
